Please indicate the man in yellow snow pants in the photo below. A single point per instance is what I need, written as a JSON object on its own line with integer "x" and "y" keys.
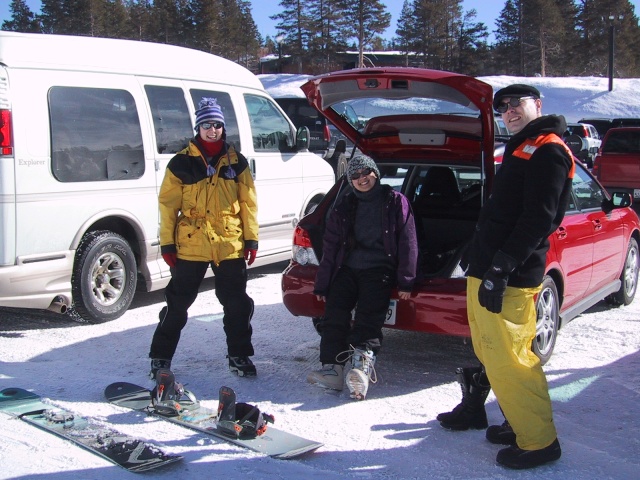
{"x": 506, "y": 264}
{"x": 502, "y": 342}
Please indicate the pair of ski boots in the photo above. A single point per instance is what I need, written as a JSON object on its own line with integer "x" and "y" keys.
{"x": 362, "y": 372}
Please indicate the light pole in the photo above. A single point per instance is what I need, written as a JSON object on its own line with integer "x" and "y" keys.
{"x": 279, "y": 40}
{"x": 612, "y": 35}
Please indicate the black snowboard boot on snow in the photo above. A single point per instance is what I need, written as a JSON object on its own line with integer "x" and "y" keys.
{"x": 242, "y": 365}
{"x": 470, "y": 413}
{"x": 157, "y": 364}
{"x": 501, "y": 434}
{"x": 517, "y": 458}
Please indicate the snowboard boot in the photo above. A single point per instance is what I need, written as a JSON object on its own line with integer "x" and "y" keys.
{"x": 470, "y": 413}
{"x": 157, "y": 364}
{"x": 362, "y": 372}
{"x": 330, "y": 376}
{"x": 501, "y": 434}
{"x": 242, "y": 365}
{"x": 517, "y": 458}
{"x": 240, "y": 420}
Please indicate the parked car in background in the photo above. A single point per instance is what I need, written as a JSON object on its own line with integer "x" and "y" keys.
{"x": 326, "y": 140}
{"x": 603, "y": 125}
{"x": 617, "y": 165}
{"x": 583, "y": 140}
{"x": 600, "y": 124}
{"x": 432, "y": 135}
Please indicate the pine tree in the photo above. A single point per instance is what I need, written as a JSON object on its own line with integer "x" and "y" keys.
{"x": 293, "y": 21}
{"x": 508, "y": 54}
{"x": 368, "y": 18}
{"x": 22, "y": 18}
{"x": 473, "y": 50}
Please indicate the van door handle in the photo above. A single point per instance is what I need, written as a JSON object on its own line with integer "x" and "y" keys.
{"x": 597, "y": 225}
{"x": 252, "y": 167}
{"x": 561, "y": 233}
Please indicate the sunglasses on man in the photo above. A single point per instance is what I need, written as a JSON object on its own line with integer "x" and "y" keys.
{"x": 215, "y": 125}
{"x": 513, "y": 102}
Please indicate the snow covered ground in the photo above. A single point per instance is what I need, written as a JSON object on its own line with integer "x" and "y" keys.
{"x": 593, "y": 377}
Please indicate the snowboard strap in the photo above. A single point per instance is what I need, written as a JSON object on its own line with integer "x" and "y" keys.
{"x": 240, "y": 420}
{"x": 167, "y": 394}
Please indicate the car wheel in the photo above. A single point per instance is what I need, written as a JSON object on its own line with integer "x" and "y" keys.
{"x": 628, "y": 277}
{"x": 104, "y": 277}
{"x": 548, "y": 319}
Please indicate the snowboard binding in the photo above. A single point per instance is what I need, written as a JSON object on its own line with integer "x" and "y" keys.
{"x": 169, "y": 397}
{"x": 240, "y": 420}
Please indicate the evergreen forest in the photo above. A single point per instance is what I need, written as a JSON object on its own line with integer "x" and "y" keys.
{"x": 529, "y": 38}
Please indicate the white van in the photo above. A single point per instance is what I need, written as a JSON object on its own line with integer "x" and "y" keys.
{"x": 87, "y": 127}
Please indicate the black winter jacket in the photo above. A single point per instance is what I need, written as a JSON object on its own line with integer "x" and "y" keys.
{"x": 530, "y": 194}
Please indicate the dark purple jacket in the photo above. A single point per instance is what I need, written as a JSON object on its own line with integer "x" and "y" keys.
{"x": 399, "y": 237}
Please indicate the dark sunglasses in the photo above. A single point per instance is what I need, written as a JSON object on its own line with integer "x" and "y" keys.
{"x": 215, "y": 125}
{"x": 363, "y": 173}
{"x": 513, "y": 102}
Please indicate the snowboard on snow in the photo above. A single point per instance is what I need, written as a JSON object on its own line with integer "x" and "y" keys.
{"x": 191, "y": 414}
{"x": 130, "y": 453}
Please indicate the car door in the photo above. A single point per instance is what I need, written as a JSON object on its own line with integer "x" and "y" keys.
{"x": 608, "y": 238}
{"x": 572, "y": 245}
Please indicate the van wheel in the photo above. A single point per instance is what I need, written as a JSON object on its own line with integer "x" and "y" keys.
{"x": 548, "y": 319}
{"x": 628, "y": 277}
{"x": 104, "y": 277}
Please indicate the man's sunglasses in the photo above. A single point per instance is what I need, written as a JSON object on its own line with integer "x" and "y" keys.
{"x": 513, "y": 102}
{"x": 215, "y": 125}
{"x": 363, "y": 173}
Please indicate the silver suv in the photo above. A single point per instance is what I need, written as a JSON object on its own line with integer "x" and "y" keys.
{"x": 583, "y": 140}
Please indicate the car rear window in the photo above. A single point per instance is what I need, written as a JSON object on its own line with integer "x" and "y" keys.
{"x": 622, "y": 142}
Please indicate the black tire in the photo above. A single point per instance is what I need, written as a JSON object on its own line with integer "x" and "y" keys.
{"x": 628, "y": 277}
{"x": 547, "y": 321}
{"x": 104, "y": 277}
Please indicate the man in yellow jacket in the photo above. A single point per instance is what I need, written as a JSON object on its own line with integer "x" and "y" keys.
{"x": 208, "y": 217}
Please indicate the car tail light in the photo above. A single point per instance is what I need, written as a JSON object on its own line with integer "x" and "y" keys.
{"x": 302, "y": 251}
{"x": 6, "y": 140}
{"x": 585, "y": 131}
{"x": 327, "y": 133}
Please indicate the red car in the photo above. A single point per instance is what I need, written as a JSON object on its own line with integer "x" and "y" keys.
{"x": 432, "y": 135}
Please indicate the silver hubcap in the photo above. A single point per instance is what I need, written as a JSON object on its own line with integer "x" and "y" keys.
{"x": 108, "y": 278}
{"x": 631, "y": 272}
{"x": 545, "y": 325}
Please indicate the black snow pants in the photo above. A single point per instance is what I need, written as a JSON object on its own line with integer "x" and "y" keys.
{"x": 366, "y": 290}
{"x": 181, "y": 292}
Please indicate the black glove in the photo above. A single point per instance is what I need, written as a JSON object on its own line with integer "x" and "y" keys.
{"x": 494, "y": 282}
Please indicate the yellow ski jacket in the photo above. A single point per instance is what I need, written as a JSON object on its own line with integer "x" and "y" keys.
{"x": 208, "y": 217}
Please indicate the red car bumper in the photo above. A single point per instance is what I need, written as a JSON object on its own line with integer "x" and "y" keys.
{"x": 435, "y": 306}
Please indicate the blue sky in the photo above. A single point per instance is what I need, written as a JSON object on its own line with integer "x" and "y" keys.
{"x": 488, "y": 11}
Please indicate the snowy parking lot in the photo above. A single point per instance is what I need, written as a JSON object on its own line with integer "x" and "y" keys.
{"x": 593, "y": 378}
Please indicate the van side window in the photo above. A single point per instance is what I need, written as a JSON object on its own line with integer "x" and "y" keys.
{"x": 270, "y": 130}
{"x": 95, "y": 135}
{"x": 171, "y": 119}
{"x": 230, "y": 118}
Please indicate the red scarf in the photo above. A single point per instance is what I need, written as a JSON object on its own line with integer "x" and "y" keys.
{"x": 211, "y": 149}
